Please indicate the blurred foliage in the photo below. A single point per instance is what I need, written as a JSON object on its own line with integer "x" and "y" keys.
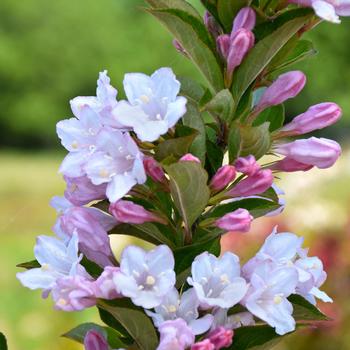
{"x": 51, "y": 52}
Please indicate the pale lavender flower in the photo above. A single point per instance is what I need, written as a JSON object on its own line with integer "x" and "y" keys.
{"x": 94, "y": 340}
{"x": 81, "y": 191}
{"x": 104, "y": 285}
{"x": 175, "y": 335}
{"x": 234, "y": 321}
{"x": 79, "y": 136}
{"x": 186, "y": 307}
{"x": 217, "y": 281}
{"x": 266, "y": 299}
{"x": 118, "y": 163}
{"x": 57, "y": 259}
{"x": 146, "y": 276}
{"x": 319, "y": 152}
{"x": 73, "y": 293}
{"x": 156, "y": 97}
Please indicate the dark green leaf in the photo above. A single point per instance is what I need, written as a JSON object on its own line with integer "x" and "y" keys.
{"x": 184, "y": 256}
{"x": 147, "y": 231}
{"x": 3, "y": 342}
{"x": 263, "y": 52}
{"x": 222, "y": 105}
{"x": 91, "y": 267}
{"x": 78, "y": 334}
{"x": 274, "y": 115}
{"x": 134, "y": 320}
{"x": 215, "y": 157}
{"x": 257, "y": 207}
{"x": 191, "y": 89}
{"x": 234, "y": 143}
{"x": 255, "y": 338}
{"x": 188, "y": 185}
{"x": 29, "y": 264}
{"x": 304, "y": 311}
{"x": 227, "y": 11}
{"x": 195, "y": 39}
{"x": 211, "y": 6}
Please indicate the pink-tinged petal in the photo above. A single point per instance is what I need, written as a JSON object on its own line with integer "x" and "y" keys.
{"x": 326, "y": 11}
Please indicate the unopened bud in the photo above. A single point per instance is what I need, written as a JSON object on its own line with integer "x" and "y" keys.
{"x": 95, "y": 341}
{"x": 189, "y": 158}
{"x": 223, "y": 177}
{"x": 154, "y": 170}
{"x": 247, "y": 165}
{"x": 237, "y": 221}
{"x": 212, "y": 25}
{"x": 245, "y": 19}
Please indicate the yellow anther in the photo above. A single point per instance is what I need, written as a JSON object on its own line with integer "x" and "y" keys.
{"x": 277, "y": 299}
{"x": 150, "y": 280}
{"x": 45, "y": 267}
{"x": 61, "y": 302}
{"x": 144, "y": 98}
{"x": 75, "y": 144}
{"x": 104, "y": 173}
{"x": 172, "y": 308}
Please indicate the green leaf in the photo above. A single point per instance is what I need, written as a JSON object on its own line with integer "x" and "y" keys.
{"x": 191, "y": 89}
{"x": 188, "y": 186}
{"x": 176, "y": 147}
{"x": 29, "y": 264}
{"x": 274, "y": 115}
{"x": 215, "y": 157}
{"x": 234, "y": 143}
{"x": 304, "y": 311}
{"x": 3, "y": 342}
{"x": 147, "y": 231}
{"x": 256, "y": 206}
{"x": 175, "y": 4}
{"x": 227, "y": 11}
{"x": 255, "y": 338}
{"x": 184, "y": 256}
{"x": 193, "y": 119}
{"x": 195, "y": 39}
{"x": 222, "y": 105}
{"x": 134, "y": 320}
{"x": 211, "y": 6}
{"x": 263, "y": 52}
{"x": 78, "y": 334}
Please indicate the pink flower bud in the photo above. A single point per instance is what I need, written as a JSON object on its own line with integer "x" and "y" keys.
{"x": 287, "y": 85}
{"x": 189, "y": 158}
{"x": 223, "y": 177}
{"x": 223, "y": 43}
{"x": 241, "y": 42}
{"x": 319, "y": 152}
{"x": 247, "y": 165}
{"x": 253, "y": 185}
{"x": 179, "y": 48}
{"x": 211, "y": 24}
{"x": 81, "y": 191}
{"x": 104, "y": 285}
{"x": 316, "y": 117}
{"x": 289, "y": 165}
{"x": 154, "y": 170}
{"x": 245, "y": 18}
{"x": 131, "y": 213}
{"x": 237, "y": 221}
{"x": 221, "y": 337}
{"x": 205, "y": 344}
{"x": 73, "y": 293}
{"x": 95, "y": 341}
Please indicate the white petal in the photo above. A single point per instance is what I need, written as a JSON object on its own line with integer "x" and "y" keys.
{"x": 165, "y": 84}
{"x": 326, "y": 11}
{"x": 119, "y": 187}
{"x": 137, "y": 86}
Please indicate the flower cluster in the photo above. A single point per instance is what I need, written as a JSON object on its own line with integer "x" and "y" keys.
{"x": 178, "y": 166}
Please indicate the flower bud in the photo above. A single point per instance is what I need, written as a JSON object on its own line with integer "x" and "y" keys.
{"x": 212, "y": 25}
{"x": 221, "y": 337}
{"x": 104, "y": 285}
{"x": 223, "y": 44}
{"x": 154, "y": 170}
{"x": 287, "y": 85}
{"x": 290, "y": 165}
{"x": 247, "y": 165}
{"x": 81, "y": 191}
{"x": 131, "y": 213}
{"x": 319, "y": 152}
{"x": 189, "y": 158}
{"x": 73, "y": 293}
{"x": 223, "y": 177}
{"x": 205, "y": 344}
{"x": 237, "y": 221}
{"x": 316, "y": 117}
{"x": 245, "y": 18}
{"x": 253, "y": 185}
{"x": 241, "y": 42}
{"x": 179, "y": 48}
{"x": 95, "y": 341}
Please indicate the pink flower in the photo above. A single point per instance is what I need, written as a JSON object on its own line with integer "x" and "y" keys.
{"x": 223, "y": 177}
{"x": 247, "y": 165}
{"x": 131, "y": 213}
{"x": 245, "y": 18}
{"x": 290, "y": 165}
{"x": 221, "y": 337}
{"x": 253, "y": 185}
{"x": 319, "y": 152}
{"x": 94, "y": 340}
{"x": 189, "y": 158}
{"x": 238, "y": 221}
{"x": 153, "y": 169}
{"x": 205, "y": 344}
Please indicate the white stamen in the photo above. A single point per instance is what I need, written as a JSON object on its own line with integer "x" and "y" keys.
{"x": 224, "y": 279}
{"x": 150, "y": 280}
{"x": 45, "y": 267}
{"x": 172, "y": 308}
{"x": 140, "y": 287}
{"x": 137, "y": 274}
{"x": 277, "y": 299}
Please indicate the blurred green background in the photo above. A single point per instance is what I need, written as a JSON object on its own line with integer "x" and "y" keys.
{"x": 51, "y": 52}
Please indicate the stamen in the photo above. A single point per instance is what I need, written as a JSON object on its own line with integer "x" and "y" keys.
{"x": 144, "y": 98}
{"x": 150, "y": 280}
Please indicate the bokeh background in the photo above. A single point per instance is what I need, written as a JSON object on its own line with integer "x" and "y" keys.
{"x": 52, "y": 51}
